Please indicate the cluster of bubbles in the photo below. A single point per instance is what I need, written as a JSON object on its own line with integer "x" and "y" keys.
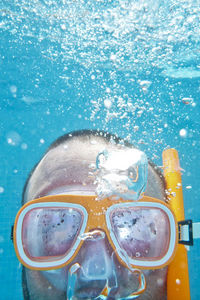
{"x": 121, "y": 175}
{"x": 126, "y": 34}
{"x": 116, "y": 45}
{"x": 13, "y": 138}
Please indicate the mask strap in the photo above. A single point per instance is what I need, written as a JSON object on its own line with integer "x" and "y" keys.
{"x": 188, "y": 231}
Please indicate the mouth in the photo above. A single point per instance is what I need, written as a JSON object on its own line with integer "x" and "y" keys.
{"x": 79, "y": 287}
{"x": 91, "y": 292}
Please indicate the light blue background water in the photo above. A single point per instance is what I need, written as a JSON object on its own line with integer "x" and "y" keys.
{"x": 123, "y": 66}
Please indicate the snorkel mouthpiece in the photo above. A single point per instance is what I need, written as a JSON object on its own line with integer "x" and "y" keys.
{"x": 111, "y": 287}
{"x": 122, "y": 175}
{"x": 96, "y": 273}
{"x": 73, "y": 290}
{"x": 95, "y": 281}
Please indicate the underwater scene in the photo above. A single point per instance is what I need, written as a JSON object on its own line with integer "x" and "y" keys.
{"x": 127, "y": 67}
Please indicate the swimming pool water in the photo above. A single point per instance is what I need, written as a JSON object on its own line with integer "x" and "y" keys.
{"x": 129, "y": 67}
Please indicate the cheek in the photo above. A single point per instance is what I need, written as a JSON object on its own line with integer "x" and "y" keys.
{"x": 56, "y": 278}
{"x": 156, "y": 282}
{"x": 41, "y": 287}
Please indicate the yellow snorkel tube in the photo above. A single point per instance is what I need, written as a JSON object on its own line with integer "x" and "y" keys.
{"x": 178, "y": 287}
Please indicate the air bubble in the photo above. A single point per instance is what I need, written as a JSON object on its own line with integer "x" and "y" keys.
{"x": 141, "y": 141}
{"x": 24, "y": 146}
{"x": 187, "y": 100}
{"x": 1, "y": 189}
{"x": 183, "y": 132}
{"x": 121, "y": 173}
{"x": 93, "y": 142}
{"x": 160, "y": 281}
{"x": 144, "y": 84}
{"x": 93, "y": 235}
{"x": 135, "y": 128}
{"x": 30, "y": 100}
{"x": 113, "y": 57}
{"x": 188, "y": 187}
{"x": 178, "y": 185}
{"x": 107, "y": 103}
{"x": 13, "y": 89}
{"x": 13, "y": 138}
{"x": 63, "y": 27}
{"x": 108, "y": 90}
{"x": 139, "y": 113}
{"x": 42, "y": 141}
{"x": 137, "y": 254}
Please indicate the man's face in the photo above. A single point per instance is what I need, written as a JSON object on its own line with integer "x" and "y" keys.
{"x": 67, "y": 169}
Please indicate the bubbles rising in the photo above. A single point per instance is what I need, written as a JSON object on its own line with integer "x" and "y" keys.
{"x": 121, "y": 173}
{"x": 13, "y": 138}
{"x": 187, "y": 100}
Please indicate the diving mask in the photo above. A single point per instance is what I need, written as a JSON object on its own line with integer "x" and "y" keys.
{"x": 49, "y": 231}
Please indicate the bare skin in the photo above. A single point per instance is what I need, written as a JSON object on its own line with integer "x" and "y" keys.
{"x": 66, "y": 169}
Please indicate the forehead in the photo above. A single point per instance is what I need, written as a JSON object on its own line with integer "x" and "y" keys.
{"x": 69, "y": 166}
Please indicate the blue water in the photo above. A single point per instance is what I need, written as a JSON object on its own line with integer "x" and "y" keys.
{"x": 129, "y": 67}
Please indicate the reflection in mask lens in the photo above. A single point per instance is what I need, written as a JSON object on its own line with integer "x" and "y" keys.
{"x": 142, "y": 232}
{"x": 50, "y": 231}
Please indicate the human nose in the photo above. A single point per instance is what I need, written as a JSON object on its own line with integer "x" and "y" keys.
{"x": 95, "y": 256}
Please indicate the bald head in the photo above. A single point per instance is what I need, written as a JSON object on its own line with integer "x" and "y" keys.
{"x": 69, "y": 163}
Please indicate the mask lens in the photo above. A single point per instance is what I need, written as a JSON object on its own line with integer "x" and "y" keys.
{"x": 50, "y": 232}
{"x": 143, "y": 233}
